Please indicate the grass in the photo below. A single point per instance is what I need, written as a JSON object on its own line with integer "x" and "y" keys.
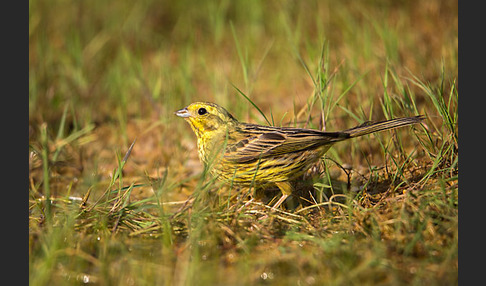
{"x": 117, "y": 194}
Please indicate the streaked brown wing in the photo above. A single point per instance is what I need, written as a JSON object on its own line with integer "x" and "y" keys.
{"x": 254, "y": 147}
{"x": 279, "y": 141}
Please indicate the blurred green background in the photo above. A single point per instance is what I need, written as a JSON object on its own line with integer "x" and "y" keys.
{"x": 130, "y": 57}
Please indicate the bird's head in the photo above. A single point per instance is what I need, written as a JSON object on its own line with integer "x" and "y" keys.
{"x": 206, "y": 117}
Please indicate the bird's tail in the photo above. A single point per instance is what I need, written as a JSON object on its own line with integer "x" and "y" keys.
{"x": 371, "y": 127}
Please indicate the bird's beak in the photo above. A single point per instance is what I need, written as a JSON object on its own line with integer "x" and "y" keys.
{"x": 184, "y": 113}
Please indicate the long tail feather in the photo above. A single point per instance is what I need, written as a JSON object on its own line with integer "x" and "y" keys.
{"x": 371, "y": 127}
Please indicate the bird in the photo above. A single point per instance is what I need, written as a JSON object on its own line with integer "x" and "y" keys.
{"x": 247, "y": 154}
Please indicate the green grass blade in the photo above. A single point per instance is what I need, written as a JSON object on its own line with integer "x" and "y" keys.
{"x": 252, "y": 103}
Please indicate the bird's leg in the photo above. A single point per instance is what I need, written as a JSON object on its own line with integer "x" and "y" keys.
{"x": 286, "y": 189}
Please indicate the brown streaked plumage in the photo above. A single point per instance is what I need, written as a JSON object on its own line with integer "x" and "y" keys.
{"x": 251, "y": 154}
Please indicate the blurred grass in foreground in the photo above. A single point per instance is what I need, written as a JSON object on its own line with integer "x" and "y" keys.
{"x": 102, "y": 74}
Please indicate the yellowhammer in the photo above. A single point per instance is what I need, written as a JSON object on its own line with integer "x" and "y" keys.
{"x": 256, "y": 155}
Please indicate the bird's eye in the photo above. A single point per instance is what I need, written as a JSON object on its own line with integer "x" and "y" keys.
{"x": 202, "y": 111}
